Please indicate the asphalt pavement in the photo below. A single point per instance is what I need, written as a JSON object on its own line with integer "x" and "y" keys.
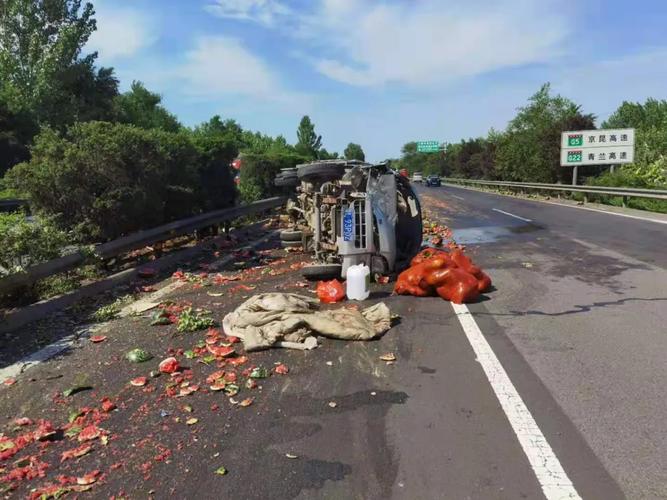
{"x": 576, "y": 321}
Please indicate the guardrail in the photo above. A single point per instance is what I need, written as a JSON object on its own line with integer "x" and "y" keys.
{"x": 135, "y": 241}
{"x": 11, "y": 205}
{"x": 625, "y": 193}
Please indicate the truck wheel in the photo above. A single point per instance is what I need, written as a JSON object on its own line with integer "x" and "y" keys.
{"x": 320, "y": 172}
{"x": 317, "y": 272}
{"x": 285, "y": 181}
{"x": 289, "y": 235}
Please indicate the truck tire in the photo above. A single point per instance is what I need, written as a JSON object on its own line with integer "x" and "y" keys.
{"x": 286, "y": 181}
{"x": 320, "y": 172}
{"x": 289, "y": 235}
{"x": 290, "y": 244}
{"x": 316, "y": 272}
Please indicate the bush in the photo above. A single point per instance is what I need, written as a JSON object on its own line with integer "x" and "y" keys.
{"x": 632, "y": 177}
{"x": 216, "y": 182}
{"x": 258, "y": 172}
{"x": 104, "y": 180}
{"x": 26, "y": 243}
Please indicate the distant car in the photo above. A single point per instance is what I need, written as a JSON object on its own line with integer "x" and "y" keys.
{"x": 433, "y": 181}
{"x": 417, "y": 177}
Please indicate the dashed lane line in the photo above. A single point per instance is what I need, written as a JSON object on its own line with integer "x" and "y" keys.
{"x": 550, "y": 474}
{"x": 512, "y": 215}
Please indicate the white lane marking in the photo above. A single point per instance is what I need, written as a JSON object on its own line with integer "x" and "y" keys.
{"x": 51, "y": 350}
{"x": 548, "y": 470}
{"x": 647, "y": 219}
{"x": 599, "y": 210}
{"x": 458, "y": 197}
{"x": 511, "y": 215}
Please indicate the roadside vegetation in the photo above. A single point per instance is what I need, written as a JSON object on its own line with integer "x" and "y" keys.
{"x": 96, "y": 163}
{"x": 528, "y": 150}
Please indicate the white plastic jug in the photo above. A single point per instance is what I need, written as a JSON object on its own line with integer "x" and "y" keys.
{"x": 358, "y": 282}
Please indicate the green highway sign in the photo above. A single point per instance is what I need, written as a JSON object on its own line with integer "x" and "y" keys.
{"x": 597, "y": 147}
{"x": 575, "y": 140}
{"x": 574, "y": 156}
{"x": 428, "y": 146}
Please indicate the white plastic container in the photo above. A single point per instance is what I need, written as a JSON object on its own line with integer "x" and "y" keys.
{"x": 358, "y": 282}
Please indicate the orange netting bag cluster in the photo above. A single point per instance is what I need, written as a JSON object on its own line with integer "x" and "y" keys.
{"x": 451, "y": 275}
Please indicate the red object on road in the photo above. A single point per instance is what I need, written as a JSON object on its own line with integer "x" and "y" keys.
{"x": 451, "y": 276}
{"x": 169, "y": 365}
{"x": 330, "y": 291}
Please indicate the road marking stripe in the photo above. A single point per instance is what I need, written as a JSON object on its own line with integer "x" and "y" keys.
{"x": 548, "y": 470}
{"x": 647, "y": 219}
{"x": 458, "y": 197}
{"x": 599, "y": 210}
{"x": 48, "y": 352}
{"x": 511, "y": 215}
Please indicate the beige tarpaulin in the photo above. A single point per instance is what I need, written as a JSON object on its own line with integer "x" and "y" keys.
{"x": 270, "y": 318}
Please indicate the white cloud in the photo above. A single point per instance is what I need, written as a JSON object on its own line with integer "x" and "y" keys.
{"x": 601, "y": 86}
{"x": 219, "y": 64}
{"x": 265, "y": 12}
{"x": 121, "y": 32}
{"x": 377, "y": 42}
{"x": 430, "y": 42}
{"x": 218, "y": 67}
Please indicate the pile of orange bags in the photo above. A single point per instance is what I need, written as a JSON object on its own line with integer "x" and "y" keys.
{"x": 451, "y": 275}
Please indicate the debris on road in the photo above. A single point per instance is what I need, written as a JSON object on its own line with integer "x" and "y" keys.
{"x": 451, "y": 275}
{"x": 96, "y": 339}
{"x": 169, "y": 365}
{"x": 281, "y": 369}
{"x": 390, "y": 357}
{"x": 139, "y": 381}
{"x": 330, "y": 292}
{"x": 138, "y": 356}
{"x": 265, "y": 319}
{"x": 332, "y": 404}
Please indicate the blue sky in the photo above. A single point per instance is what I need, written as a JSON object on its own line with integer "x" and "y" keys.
{"x": 383, "y": 72}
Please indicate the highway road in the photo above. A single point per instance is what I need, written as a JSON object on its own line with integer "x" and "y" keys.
{"x": 552, "y": 386}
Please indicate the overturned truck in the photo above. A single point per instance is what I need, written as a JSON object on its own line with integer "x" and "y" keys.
{"x": 351, "y": 212}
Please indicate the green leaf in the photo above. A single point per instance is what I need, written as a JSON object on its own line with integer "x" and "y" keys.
{"x": 208, "y": 359}
{"x": 73, "y": 415}
{"x": 231, "y": 389}
{"x": 221, "y": 471}
{"x": 73, "y": 390}
{"x": 73, "y": 431}
{"x": 259, "y": 372}
{"x": 6, "y": 445}
{"x": 189, "y": 354}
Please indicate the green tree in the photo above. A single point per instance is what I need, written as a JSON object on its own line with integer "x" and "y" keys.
{"x": 650, "y": 123}
{"x": 259, "y": 171}
{"x": 141, "y": 107}
{"x": 308, "y": 142}
{"x": 15, "y": 132}
{"x": 354, "y": 152}
{"x": 323, "y": 154}
{"x": 530, "y": 148}
{"x": 42, "y": 70}
{"x": 103, "y": 180}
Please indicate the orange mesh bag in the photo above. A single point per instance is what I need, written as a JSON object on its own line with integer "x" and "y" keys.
{"x": 330, "y": 291}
